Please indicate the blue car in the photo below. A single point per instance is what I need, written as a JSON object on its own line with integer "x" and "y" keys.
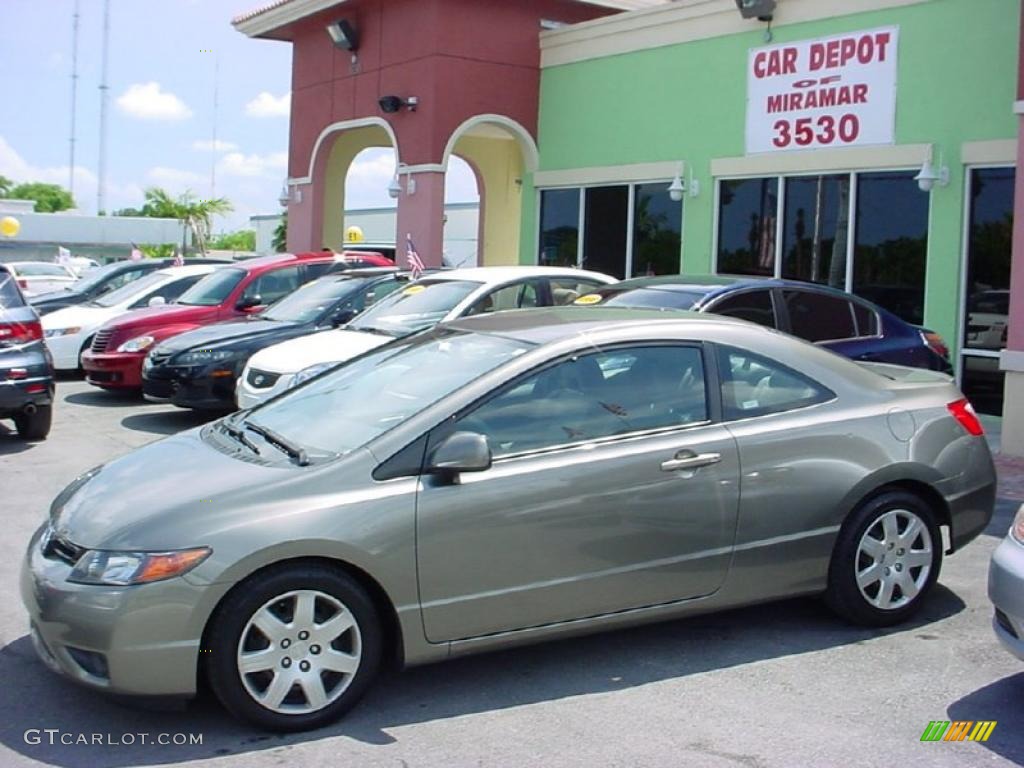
{"x": 835, "y": 319}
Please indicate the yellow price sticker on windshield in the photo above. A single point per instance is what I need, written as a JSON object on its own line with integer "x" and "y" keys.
{"x": 413, "y": 290}
{"x": 590, "y": 298}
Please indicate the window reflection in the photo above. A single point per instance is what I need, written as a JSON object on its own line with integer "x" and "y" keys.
{"x": 604, "y": 234}
{"x": 817, "y": 229}
{"x": 891, "y": 242}
{"x": 559, "y": 227}
{"x": 657, "y": 231}
{"x": 746, "y": 226}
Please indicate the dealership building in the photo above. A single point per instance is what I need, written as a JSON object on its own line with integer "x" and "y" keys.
{"x": 867, "y": 145}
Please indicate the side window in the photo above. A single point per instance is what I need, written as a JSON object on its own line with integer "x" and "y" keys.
{"x": 755, "y": 306}
{"x": 867, "y": 320}
{"x": 273, "y": 285}
{"x": 817, "y": 317}
{"x": 515, "y": 296}
{"x": 565, "y": 290}
{"x": 379, "y": 291}
{"x": 753, "y": 385}
{"x": 124, "y": 278}
{"x": 594, "y": 396}
{"x": 169, "y": 291}
{"x": 313, "y": 271}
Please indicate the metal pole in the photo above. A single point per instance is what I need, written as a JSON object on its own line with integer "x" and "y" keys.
{"x": 74, "y": 98}
{"x": 213, "y": 149}
{"x": 101, "y": 192}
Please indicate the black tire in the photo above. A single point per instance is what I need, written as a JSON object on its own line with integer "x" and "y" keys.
{"x": 35, "y": 426}
{"x": 85, "y": 346}
{"x": 846, "y": 597}
{"x": 225, "y": 634}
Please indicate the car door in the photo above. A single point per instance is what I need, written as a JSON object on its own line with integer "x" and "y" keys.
{"x": 612, "y": 488}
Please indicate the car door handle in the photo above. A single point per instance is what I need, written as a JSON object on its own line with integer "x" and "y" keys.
{"x": 690, "y": 460}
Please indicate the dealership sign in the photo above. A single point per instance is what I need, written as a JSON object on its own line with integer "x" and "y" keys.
{"x": 833, "y": 92}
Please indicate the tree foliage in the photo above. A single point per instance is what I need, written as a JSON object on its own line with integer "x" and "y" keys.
{"x": 280, "y": 239}
{"x": 242, "y": 240}
{"x": 49, "y": 197}
{"x": 196, "y": 214}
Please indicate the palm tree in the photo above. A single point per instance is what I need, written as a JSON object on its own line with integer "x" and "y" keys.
{"x": 6, "y": 185}
{"x": 195, "y": 214}
{"x": 281, "y": 235}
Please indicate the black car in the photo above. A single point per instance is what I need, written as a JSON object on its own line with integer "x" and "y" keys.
{"x": 26, "y": 368}
{"x": 104, "y": 279}
{"x": 844, "y": 323}
{"x": 198, "y": 369}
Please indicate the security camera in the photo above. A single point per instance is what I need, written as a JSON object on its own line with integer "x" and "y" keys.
{"x": 761, "y": 10}
{"x": 390, "y": 104}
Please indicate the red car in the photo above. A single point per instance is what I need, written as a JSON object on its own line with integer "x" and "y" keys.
{"x": 114, "y": 361}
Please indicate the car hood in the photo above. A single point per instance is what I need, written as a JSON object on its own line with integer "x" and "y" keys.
{"x": 327, "y": 347}
{"x": 79, "y": 316}
{"x": 144, "y": 499}
{"x": 224, "y": 333}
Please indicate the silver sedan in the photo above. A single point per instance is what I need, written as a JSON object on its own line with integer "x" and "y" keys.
{"x": 1006, "y": 588}
{"x": 500, "y": 480}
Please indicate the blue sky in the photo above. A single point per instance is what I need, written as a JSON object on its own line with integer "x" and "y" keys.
{"x": 160, "y": 114}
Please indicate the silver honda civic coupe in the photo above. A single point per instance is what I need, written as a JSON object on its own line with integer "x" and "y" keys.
{"x": 500, "y": 480}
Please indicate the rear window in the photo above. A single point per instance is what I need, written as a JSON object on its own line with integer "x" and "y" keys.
{"x": 41, "y": 269}
{"x": 818, "y": 317}
{"x": 10, "y": 296}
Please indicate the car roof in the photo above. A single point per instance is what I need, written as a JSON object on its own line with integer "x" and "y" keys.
{"x": 715, "y": 285}
{"x": 276, "y": 259}
{"x": 188, "y": 270}
{"x": 505, "y": 274}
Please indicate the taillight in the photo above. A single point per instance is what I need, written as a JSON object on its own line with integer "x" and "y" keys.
{"x": 936, "y": 343}
{"x": 21, "y": 333}
{"x": 963, "y": 411}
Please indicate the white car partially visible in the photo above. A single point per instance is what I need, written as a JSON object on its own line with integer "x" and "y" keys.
{"x": 435, "y": 298}
{"x": 34, "y": 277}
{"x": 69, "y": 331}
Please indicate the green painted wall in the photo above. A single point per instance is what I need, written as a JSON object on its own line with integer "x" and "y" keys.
{"x": 956, "y": 83}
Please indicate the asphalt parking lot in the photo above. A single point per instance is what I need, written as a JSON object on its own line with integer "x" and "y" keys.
{"x": 778, "y": 685}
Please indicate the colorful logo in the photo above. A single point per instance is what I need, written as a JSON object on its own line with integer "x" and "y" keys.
{"x": 958, "y": 730}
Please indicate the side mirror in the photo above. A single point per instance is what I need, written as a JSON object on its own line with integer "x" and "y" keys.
{"x": 249, "y": 303}
{"x": 460, "y": 452}
{"x": 157, "y": 301}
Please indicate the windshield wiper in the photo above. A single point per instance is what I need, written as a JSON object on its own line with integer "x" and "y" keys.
{"x": 297, "y": 452}
{"x": 239, "y": 435}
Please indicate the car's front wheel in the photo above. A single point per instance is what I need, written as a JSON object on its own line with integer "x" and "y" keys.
{"x": 886, "y": 560}
{"x": 294, "y": 648}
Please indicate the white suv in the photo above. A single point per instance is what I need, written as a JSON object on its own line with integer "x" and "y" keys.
{"x": 433, "y": 299}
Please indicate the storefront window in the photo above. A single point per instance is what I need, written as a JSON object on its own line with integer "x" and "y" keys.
{"x": 605, "y": 223}
{"x": 746, "y": 226}
{"x": 988, "y": 286}
{"x": 891, "y": 242}
{"x": 657, "y": 231}
{"x": 817, "y": 229}
{"x": 559, "y": 227}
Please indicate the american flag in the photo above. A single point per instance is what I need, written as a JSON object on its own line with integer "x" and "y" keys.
{"x": 415, "y": 262}
{"x": 136, "y": 253}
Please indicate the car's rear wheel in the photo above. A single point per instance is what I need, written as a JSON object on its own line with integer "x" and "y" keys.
{"x": 295, "y": 648}
{"x": 886, "y": 560}
{"x": 35, "y": 426}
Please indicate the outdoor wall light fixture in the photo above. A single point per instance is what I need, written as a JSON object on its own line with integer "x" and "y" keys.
{"x": 678, "y": 187}
{"x": 762, "y": 10}
{"x": 344, "y": 35}
{"x": 395, "y": 187}
{"x": 931, "y": 176}
{"x": 391, "y": 104}
{"x": 290, "y": 193}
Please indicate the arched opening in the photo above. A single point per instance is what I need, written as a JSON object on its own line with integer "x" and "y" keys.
{"x": 462, "y": 216}
{"x": 500, "y": 151}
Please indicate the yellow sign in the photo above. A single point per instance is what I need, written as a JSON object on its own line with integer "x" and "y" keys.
{"x": 9, "y": 226}
{"x": 354, "y": 234}
{"x": 590, "y": 298}
{"x": 414, "y": 289}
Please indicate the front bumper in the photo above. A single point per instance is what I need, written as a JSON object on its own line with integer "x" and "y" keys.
{"x": 141, "y": 640}
{"x": 114, "y": 370}
{"x": 1006, "y": 591}
{"x": 209, "y": 387}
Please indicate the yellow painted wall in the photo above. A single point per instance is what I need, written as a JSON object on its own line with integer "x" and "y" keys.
{"x": 499, "y": 162}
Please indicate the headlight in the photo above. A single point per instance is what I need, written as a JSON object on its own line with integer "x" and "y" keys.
{"x": 308, "y": 373}
{"x": 124, "y": 568}
{"x": 203, "y": 356}
{"x": 52, "y": 333}
{"x": 138, "y": 344}
{"x": 1018, "y": 526}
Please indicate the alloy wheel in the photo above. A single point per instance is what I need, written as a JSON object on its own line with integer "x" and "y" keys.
{"x": 894, "y": 559}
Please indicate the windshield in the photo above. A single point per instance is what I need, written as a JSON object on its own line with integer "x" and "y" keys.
{"x": 310, "y": 301}
{"x": 645, "y": 297}
{"x": 130, "y": 291}
{"x": 412, "y": 309}
{"x": 351, "y": 405}
{"x": 212, "y": 289}
{"x": 10, "y": 296}
{"x": 41, "y": 269}
{"x": 95, "y": 276}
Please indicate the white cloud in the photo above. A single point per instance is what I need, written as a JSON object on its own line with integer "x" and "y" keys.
{"x": 238, "y": 164}
{"x": 148, "y": 101}
{"x": 176, "y": 179}
{"x": 267, "y": 104}
{"x": 214, "y": 145}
